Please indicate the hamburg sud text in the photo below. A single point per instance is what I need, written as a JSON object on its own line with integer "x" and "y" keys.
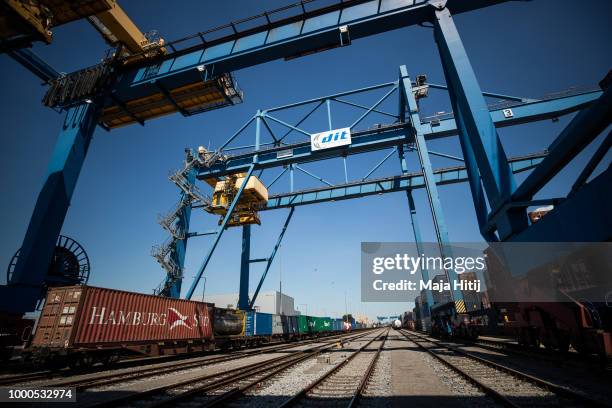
{"x": 172, "y": 318}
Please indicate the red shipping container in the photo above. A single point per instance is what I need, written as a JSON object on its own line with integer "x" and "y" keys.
{"x": 85, "y": 316}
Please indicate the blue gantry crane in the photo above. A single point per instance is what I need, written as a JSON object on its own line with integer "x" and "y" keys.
{"x": 194, "y": 74}
{"x": 268, "y": 150}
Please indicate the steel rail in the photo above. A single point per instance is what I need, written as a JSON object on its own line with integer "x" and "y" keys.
{"x": 114, "y": 377}
{"x": 276, "y": 365}
{"x": 488, "y": 390}
{"x": 368, "y": 374}
{"x": 236, "y": 391}
{"x": 304, "y": 392}
{"x": 547, "y": 385}
{"x": 239, "y": 391}
{"x": 214, "y": 380}
{"x": 15, "y": 379}
{"x": 544, "y": 354}
{"x": 121, "y": 364}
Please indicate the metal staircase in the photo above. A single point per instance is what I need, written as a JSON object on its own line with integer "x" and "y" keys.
{"x": 165, "y": 254}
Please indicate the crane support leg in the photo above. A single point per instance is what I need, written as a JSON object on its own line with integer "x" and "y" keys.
{"x": 271, "y": 258}
{"x": 490, "y": 156}
{"x": 219, "y": 233}
{"x": 180, "y": 247}
{"x": 245, "y": 261}
{"x": 430, "y": 182}
{"x": 416, "y": 229}
{"x": 478, "y": 196}
{"x": 50, "y": 210}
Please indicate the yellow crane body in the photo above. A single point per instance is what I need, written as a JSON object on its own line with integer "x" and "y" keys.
{"x": 254, "y": 196}
{"x": 22, "y": 22}
{"x": 189, "y": 99}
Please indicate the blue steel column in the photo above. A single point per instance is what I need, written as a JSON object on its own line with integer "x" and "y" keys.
{"x": 245, "y": 259}
{"x": 51, "y": 208}
{"x": 430, "y": 183}
{"x": 243, "y": 296}
{"x": 219, "y": 233}
{"x": 478, "y": 196}
{"x": 490, "y": 156}
{"x": 271, "y": 258}
{"x": 414, "y": 221}
{"x": 228, "y": 215}
{"x": 180, "y": 247}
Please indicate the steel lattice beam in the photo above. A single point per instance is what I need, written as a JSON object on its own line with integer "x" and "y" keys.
{"x": 406, "y": 182}
{"x": 395, "y": 135}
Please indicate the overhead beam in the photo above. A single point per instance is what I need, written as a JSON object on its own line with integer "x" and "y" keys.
{"x": 393, "y": 184}
{"x": 578, "y": 134}
{"x": 34, "y": 64}
{"x": 297, "y": 35}
{"x": 394, "y": 135}
{"x": 524, "y": 113}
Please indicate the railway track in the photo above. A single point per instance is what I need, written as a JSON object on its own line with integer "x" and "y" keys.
{"x": 556, "y": 357}
{"x": 107, "y": 378}
{"x": 10, "y": 379}
{"x": 345, "y": 382}
{"x": 30, "y": 372}
{"x": 206, "y": 388}
{"x": 16, "y": 379}
{"x": 507, "y": 386}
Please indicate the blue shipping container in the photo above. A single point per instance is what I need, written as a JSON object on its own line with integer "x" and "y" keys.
{"x": 249, "y": 329}
{"x": 258, "y": 324}
{"x": 337, "y": 325}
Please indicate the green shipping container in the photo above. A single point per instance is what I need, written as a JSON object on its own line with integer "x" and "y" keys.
{"x": 321, "y": 324}
{"x": 303, "y": 324}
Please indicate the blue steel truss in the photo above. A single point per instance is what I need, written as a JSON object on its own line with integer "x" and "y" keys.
{"x": 408, "y": 132}
{"x": 502, "y": 215}
{"x": 386, "y": 136}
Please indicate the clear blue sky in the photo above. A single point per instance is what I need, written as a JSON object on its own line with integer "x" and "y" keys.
{"x": 519, "y": 48}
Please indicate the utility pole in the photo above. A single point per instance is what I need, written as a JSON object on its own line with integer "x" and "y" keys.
{"x": 280, "y": 279}
{"x": 345, "y": 307}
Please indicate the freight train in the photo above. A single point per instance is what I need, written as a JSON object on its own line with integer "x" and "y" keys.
{"x": 480, "y": 318}
{"x": 562, "y": 317}
{"x": 82, "y": 325}
{"x": 446, "y": 322}
{"x": 563, "y": 301}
